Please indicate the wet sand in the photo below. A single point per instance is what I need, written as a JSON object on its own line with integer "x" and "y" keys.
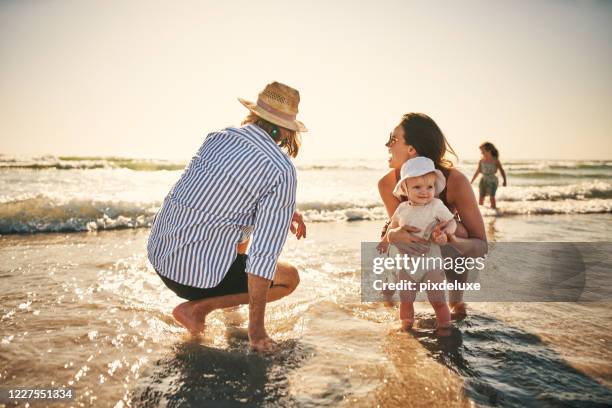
{"x": 85, "y": 310}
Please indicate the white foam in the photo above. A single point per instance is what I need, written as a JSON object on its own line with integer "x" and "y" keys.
{"x": 587, "y": 189}
{"x": 550, "y": 207}
{"x": 43, "y": 213}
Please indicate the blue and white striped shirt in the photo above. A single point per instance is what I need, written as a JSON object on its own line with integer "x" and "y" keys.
{"x": 238, "y": 182}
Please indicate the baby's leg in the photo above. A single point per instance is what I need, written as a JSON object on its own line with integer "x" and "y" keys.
{"x": 389, "y": 276}
{"x": 438, "y": 301}
{"x": 406, "y": 303}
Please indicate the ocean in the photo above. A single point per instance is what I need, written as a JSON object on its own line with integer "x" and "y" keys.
{"x": 82, "y": 308}
{"x": 61, "y": 194}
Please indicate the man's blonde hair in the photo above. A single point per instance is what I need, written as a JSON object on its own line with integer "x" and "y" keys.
{"x": 291, "y": 143}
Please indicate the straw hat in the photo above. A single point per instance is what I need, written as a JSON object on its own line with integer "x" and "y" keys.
{"x": 416, "y": 167}
{"x": 278, "y": 104}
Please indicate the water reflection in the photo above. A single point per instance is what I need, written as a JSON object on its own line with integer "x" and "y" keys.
{"x": 193, "y": 374}
{"x": 506, "y": 366}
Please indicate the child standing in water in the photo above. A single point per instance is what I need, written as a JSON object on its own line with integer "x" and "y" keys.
{"x": 420, "y": 181}
{"x": 488, "y": 166}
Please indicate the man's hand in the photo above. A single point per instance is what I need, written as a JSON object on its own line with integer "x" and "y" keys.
{"x": 298, "y": 228}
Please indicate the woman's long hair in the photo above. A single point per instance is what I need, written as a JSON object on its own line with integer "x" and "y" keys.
{"x": 425, "y": 136}
{"x": 490, "y": 147}
{"x": 291, "y": 143}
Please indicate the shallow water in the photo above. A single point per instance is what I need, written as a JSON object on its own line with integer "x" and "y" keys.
{"x": 85, "y": 310}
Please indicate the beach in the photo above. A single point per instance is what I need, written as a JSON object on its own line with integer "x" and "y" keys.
{"x": 83, "y": 308}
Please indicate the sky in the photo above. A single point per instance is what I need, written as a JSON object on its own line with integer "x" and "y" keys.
{"x": 152, "y": 78}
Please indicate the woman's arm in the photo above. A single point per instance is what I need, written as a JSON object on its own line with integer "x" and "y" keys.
{"x": 385, "y": 189}
{"x": 461, "y": 196}
{"x": 501, "y": 169}
{"x": 477, "y": 172}
{"x": 394, "y": 224}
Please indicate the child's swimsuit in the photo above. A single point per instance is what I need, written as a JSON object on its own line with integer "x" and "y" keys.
{"x": 488, "y": 182}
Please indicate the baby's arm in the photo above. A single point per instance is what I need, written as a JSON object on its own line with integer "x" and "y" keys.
{"x": 442, "y": 237}
{"x": 445, "y": 230}
{"x": 451, "y": 227}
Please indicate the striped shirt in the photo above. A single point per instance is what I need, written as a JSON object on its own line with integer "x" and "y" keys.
{"x": 239, "y": 182}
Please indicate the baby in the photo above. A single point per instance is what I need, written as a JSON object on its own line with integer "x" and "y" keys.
{"x": 420, "y": 181}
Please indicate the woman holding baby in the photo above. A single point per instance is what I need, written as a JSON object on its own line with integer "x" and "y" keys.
{"x": 417, "y": 135}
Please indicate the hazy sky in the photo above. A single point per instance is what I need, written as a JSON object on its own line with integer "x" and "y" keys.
{"x": 151, "y": 78}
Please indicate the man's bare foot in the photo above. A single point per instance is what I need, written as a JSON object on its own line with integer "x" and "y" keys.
{"x": 191, "y": 316}
{"x": 458, "y": 311}
{"x": 263, "y": 345}
{"x": 407, "y": 324}
{"x": 260, "y": 341}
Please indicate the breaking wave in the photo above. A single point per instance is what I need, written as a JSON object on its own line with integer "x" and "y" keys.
{"x": 43, "y": 213}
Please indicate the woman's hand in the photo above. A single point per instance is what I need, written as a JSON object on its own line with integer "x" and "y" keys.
{"x": 404, "y": 240}
{"x": 382, "y": 247}
{"x": 298, "y": 228}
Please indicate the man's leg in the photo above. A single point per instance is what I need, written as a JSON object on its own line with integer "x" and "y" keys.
{"x": 192, "y": 314}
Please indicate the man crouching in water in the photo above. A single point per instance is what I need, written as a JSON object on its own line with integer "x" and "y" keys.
{"x": 240, "y": 182}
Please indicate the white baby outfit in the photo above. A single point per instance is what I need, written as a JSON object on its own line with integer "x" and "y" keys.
{"x": 425, "y": 217}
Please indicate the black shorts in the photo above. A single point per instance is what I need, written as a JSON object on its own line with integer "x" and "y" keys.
{"x": 235, "y": 281}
